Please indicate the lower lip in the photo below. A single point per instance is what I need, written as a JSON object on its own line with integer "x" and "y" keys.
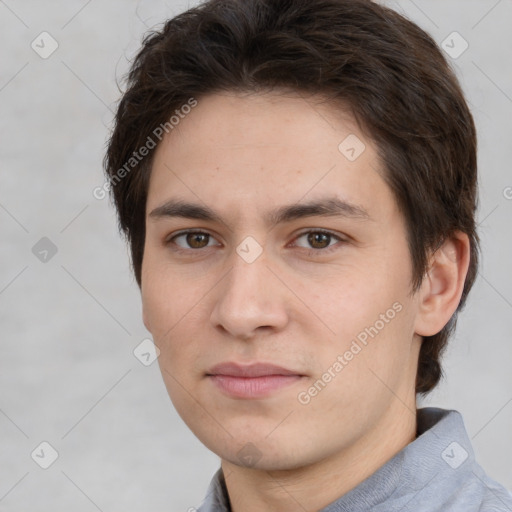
{"x": 252, "y": 387}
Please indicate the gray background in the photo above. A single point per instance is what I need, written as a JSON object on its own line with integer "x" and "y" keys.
{"x": 69, "y": 325}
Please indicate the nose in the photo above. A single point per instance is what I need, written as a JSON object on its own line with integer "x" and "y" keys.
{"x": 250, "y": 300}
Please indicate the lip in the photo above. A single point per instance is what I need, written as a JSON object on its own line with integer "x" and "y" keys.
{"x": 256, "y": 380}
{"x": 232, "y": 369}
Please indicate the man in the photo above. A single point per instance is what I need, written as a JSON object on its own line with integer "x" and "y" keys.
{"x": 297, "y": 182}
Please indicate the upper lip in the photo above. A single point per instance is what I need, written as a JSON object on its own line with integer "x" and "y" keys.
{"x": 249, "y": 370}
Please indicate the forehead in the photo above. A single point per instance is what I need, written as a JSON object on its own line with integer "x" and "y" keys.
{"x": 258, "y": 151}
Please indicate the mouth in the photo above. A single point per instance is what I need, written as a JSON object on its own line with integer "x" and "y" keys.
{"x": 256, "y": 380}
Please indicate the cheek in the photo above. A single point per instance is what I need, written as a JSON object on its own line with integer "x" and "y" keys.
{"x": 347, "y": 298}
{"x": 175, "y": 308}
{"x": 164, "y": 293}
{"x": 359, "y": 311}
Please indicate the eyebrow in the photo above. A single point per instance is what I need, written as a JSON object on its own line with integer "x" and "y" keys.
{"x": 327, "y": 207}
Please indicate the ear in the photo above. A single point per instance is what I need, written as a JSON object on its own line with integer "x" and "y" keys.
{"x": 443, "y": 284}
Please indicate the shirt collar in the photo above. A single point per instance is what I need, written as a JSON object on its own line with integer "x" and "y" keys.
{"x": 440, "y": 445}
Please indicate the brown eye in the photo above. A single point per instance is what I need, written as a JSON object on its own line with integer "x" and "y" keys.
{"x": 197, "y": 240}
{"x": 193, "y": 240}
{"x": 319, "y": 240}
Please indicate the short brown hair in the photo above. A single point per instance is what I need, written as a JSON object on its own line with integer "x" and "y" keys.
{"x": 388, "y": 71}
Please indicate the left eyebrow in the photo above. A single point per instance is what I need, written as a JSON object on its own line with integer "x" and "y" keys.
{"x": 326, "y": 207}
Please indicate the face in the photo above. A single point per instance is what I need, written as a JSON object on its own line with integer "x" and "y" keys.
{"x": 276, "y": 281}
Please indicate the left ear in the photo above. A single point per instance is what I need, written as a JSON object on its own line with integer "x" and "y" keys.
{"x": 442, "y": 286}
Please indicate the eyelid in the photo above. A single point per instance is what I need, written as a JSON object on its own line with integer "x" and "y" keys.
{"x": 340, "y": 238}
{"x": 170, "y": 239}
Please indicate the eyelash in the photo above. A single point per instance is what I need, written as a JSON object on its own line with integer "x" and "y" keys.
{"x": 309, "y": 252}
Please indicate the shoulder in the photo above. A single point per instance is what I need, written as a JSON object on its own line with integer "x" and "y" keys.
{"x": 480, "y": 493}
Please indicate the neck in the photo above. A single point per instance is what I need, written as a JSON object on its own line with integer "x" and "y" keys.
{"x": 313, "y": 487}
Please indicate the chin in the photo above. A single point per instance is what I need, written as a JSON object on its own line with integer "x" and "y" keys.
{"x": 258, "y": 453}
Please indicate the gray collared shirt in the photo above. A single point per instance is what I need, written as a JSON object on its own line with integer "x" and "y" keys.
{"x": 437, "y": 472}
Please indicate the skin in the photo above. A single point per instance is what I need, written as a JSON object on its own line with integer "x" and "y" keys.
{"x": 297, "y": 305}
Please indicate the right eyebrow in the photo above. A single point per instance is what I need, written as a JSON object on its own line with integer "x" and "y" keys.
{"x": 174, "y": 208}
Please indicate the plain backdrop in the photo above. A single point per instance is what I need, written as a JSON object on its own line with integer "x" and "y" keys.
{"x": 70, "y": 317}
